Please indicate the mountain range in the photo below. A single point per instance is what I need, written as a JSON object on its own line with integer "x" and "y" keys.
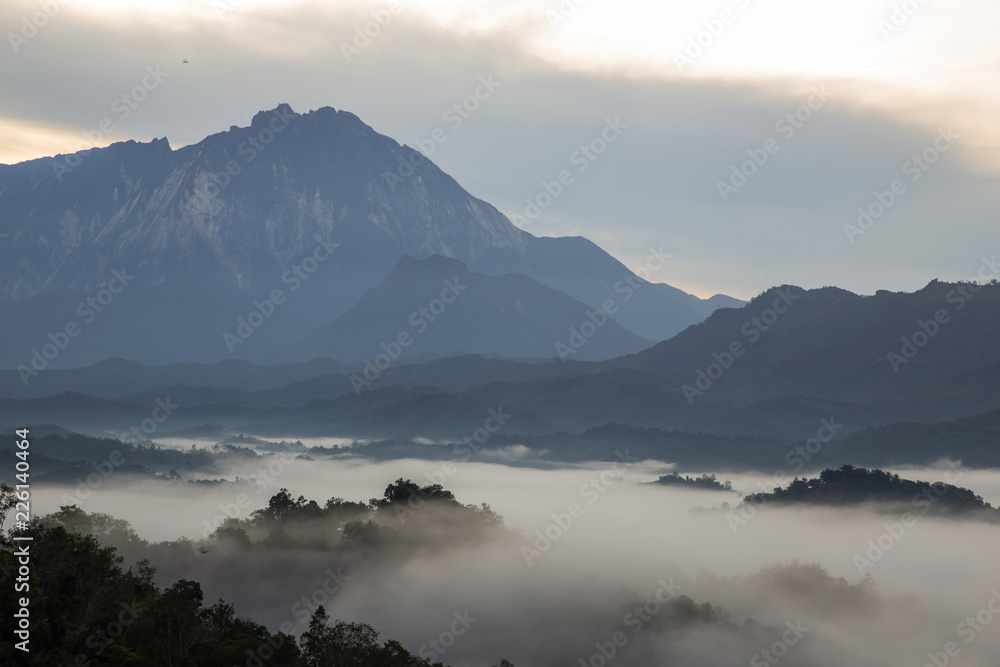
{"x": 253, "y": 242}
{"x": 308, "y": 277}
{"x": 822, "y": 369}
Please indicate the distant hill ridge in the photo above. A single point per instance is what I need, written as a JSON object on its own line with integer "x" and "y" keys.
{"x": 211, "y": 228}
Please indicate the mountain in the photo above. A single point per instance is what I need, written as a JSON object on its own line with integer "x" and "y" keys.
{"x": 653, "y": 310}
{"x": 827, "y": 356}
{"x": 437, "y": 305}
{"x": 117, "y": 377}
{"x": 238, "y": 207}
{"x": 831, "y": 343}
{"x": 971, "y": 440}
{"x": 850, "y": 486}
{"x": 317, "y": 206}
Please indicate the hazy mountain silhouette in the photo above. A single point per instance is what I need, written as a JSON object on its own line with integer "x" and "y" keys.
{"x": 808, "y": 366}
{"x": 437, "y": 305}
{"x": 316, "y": 205}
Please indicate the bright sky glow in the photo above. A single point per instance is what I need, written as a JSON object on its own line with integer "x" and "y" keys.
{"x": 893, "y": 66}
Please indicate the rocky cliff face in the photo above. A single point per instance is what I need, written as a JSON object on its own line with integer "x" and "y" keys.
{"x": 239, "y": 206}
{"x": 315, "y": 207}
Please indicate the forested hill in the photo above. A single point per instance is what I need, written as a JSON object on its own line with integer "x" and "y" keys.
{"x": 849, "y": 486}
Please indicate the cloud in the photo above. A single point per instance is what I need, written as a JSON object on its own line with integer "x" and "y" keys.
{"x": 597, "y": 567}
{"x": 657, "y": 185}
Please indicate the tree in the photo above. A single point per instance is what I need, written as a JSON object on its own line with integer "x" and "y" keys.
{"x": 352, "y": 645}
{"x": 83, "y": 603}
{"x": 179, "y": 609}
{"x": 402, "y": 490}
{"x": 361, "y": 533}
{"x": 317, "y": 641}
{"x": 280, "y": 505}
{"x": 8, "y": 501}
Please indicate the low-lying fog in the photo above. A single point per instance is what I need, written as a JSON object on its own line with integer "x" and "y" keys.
{"x": 626, "y": 540}
{"x": 184, "y": 443}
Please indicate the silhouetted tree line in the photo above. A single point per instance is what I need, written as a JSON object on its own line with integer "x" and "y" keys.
{"x": 399, "y": 518}
{"x": 705, "y": 481}
{"x": 850, "y": 485}
{"x": 86, "y": 610}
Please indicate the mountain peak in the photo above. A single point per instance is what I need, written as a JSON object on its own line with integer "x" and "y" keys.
{"x": 263, "y": 117}
{"x": 228, "y": 220}
{"x": 239, "y": 208}
{"x": 511, "y": 315}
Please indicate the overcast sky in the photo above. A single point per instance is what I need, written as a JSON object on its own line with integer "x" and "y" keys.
{"x": 873, "y": 83}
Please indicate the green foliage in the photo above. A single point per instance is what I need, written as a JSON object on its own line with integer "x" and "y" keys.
{"x": 102, "y": 526}
{"x": 850, "y": 485}
{"x": 407, "y": 517}
{"x": 282, "y": 506}
{"x": 346, "y": 644}
{"x": 87, "y": 610}
{"x": 361, "y": 533}
{"x": 405, "y": 491}
{"x": 8, "y": 501}
{"x": 704, "y": 482}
